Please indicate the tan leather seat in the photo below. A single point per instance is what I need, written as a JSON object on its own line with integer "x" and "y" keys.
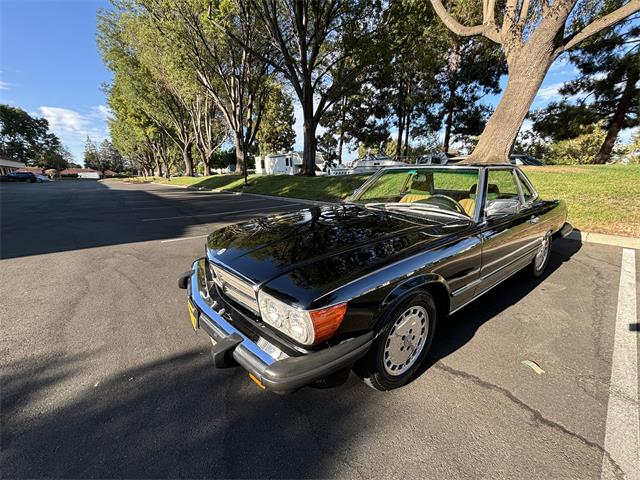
{"x": 469, "y": 205}
{"x": 414, "y": 197}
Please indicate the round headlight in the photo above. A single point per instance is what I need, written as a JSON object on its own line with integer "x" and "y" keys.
{"x": 299, "y": 327}
{"x": 273, "y": 314}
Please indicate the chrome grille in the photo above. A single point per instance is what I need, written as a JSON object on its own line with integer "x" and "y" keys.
{"x": 236, "y": 288}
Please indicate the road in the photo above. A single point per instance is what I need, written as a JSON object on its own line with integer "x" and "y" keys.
{"x": 102, "y": 375}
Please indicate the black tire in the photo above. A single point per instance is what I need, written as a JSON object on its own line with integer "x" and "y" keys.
{"x": 538, "y": 265}
{"x": 371, "y": 368}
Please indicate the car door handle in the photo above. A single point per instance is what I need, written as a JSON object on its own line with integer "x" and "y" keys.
{"x": 534, "y": 219}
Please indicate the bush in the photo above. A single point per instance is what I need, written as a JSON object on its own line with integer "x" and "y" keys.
{"x": 631, "y": 152}
{"x": 577, "y": 151}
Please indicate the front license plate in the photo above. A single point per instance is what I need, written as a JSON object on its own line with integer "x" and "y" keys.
{"x": 192, "y": 314}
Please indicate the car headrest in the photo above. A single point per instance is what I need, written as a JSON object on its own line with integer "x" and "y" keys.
{"x": 491, "y": 188}
{"x": 422, "y": 182}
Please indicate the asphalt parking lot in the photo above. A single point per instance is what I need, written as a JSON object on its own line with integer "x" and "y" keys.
{"x": 103, "y": 377}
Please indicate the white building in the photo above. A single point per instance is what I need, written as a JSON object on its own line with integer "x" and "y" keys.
{"x": 8, "y": 166}
{"x": 283, "y": 163}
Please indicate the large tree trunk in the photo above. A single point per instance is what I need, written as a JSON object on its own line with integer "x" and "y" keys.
{"x": 158, "y": 165}
{"x": 341, "y": 138}
{"x": 205, "y": 156}
{"x": 400, "y": 116}
{"x": 406, "y": 135}
{"x": 526, "y": 72}
{"x": 618, "y": 119}
{"x": 239, "y": 144}
{"x": 447, "y": 130}
{"x": 309, "y": 149}
{"x": 309, "y": 130}
{"x": 187, "y": 158}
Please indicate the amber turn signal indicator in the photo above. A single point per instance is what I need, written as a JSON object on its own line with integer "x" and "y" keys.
{"x": 257, "y": 382}
{"x": 327, "y": 320}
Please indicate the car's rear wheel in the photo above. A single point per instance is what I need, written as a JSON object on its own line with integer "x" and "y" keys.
{"x": 401, "y": 345}
{"x": 540, "y": 261}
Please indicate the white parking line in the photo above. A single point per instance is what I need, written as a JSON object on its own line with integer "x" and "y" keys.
{"x": 219, "y": 214}
{"x": 622, "y": 434}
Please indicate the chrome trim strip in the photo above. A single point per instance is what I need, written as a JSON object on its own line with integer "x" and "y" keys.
{"x": 492, "y": 286}
{"x": 527, "y": 247}
{"x": 217, "y": 322}
{"x": 469, "y": 285}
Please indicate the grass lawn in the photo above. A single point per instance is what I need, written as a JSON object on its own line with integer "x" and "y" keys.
{"x": 603, "y": 199}
{"x": 310, "y": 188}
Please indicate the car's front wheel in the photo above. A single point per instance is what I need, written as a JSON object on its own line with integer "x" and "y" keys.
{"x": 401, "y": 345}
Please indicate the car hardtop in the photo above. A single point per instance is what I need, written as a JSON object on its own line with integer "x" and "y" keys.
{"x": 478, "y": 215}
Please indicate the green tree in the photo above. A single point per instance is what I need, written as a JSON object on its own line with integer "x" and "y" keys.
{"x": 52, "y": 155}
{"x": 235, "y": 80}
{"x": 358, "y": 117}
{"x": 564, "y": 120}
{"x": 110, "y": 157}
{"x": 582, "y": 149}
{"x": 91, "y": 155}
{"x": 320, "y": 50}
{"x": 276, "y": 131}
{"x": 631, "y": 152}
{"x": 608, "y": 89}
{"x": 532, "y": 34}
{"x": 142, "y": 88}
{"x": 22, "y": 137}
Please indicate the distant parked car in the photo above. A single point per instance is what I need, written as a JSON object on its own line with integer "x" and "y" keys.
{"x": 20, "y": 177}
{"x": 518, "y": 159}
{"x": 42, "y": 178}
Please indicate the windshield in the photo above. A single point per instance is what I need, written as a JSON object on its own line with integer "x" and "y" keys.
{"x": 427, "y": 188}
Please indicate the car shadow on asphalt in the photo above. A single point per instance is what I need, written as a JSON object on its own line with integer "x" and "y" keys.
{"x": 173, "y": 418}
{"x": 461, "y": 327}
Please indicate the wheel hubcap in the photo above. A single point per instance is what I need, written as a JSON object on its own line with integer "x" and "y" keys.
{"x": 543, "y": 253}
{"x": 406, "y": 340}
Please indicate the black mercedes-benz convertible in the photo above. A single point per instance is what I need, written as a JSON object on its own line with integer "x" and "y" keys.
{"x": 303, "y": 298}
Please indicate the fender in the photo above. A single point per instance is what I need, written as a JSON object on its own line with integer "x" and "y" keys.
{"x": 408, "y": 287}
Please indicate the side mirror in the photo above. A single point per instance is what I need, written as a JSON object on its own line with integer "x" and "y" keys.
{"x": 501, "y": 207}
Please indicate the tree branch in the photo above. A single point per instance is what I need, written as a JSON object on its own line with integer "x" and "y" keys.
{"x": 488, "y": 30}
{"x": 524, "y": 13}
{"x": 600, "y": 24}
{"x": 488, "y": 12}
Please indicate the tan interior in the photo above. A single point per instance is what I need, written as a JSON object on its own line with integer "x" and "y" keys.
{"x": 414, "y": 197}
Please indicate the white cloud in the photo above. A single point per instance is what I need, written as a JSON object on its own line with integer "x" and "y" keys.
{"x": 4, "y": 85}
{"x": 73, "y": 127}
{"x": 550, "y": 92}
{"x": 64, "y": 120}
{"x": 102, "y": 111}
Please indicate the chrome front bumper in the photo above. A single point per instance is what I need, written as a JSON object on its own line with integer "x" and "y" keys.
{"x": 281, "y": 376}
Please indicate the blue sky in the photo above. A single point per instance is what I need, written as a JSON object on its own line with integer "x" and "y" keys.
{"x": 50, "y": 67}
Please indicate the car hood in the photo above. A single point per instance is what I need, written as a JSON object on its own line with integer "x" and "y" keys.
{"x": 320, "y": 247}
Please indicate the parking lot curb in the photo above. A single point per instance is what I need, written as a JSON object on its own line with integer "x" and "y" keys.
{"x": 603, "y": 239}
